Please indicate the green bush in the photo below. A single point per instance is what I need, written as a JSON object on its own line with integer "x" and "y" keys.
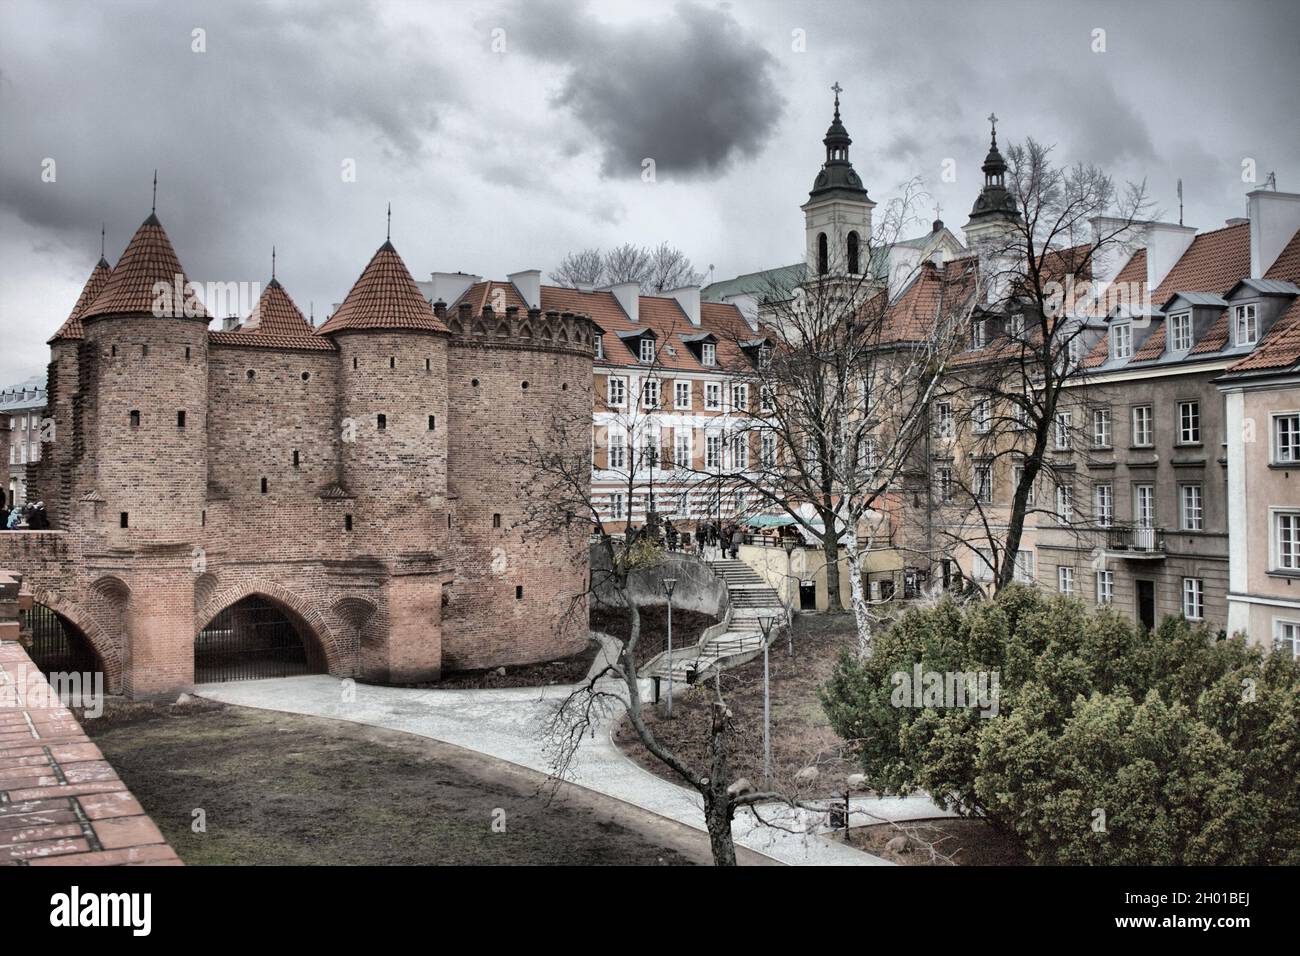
{"x": 1109, "y": 744}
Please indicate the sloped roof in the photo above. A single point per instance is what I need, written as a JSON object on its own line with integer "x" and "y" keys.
{"x": 148, "y": 259}
{"x": 276, "y": 323}
{"x": 1212, "y": 263}
{"x": 1287, "y": 265}
{"x": 384, "y": 297}
{"x": 1280, "y": 348}
{"x": 71, "y": 328}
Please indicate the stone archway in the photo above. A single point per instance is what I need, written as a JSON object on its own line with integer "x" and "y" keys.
{"x": 81, "y": 619}
{"x": 309, "y": 620}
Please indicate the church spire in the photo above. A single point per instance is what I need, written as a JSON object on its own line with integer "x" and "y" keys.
{"x": 837, "y": 175}
{"x": 995, "y": 208}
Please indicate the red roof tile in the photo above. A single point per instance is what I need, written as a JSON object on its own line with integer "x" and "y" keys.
{"x": 384, "y": 297}
{"x": 1280, "y": 348}
{"x": 1154, "y": 345}
{"x": 148, "y": 259}
{"x": 1214, "y": 262}
{"x": 276, "y": 314}
{"x": 1287, "y": 265}
{"x": 1215, "y": 337}
{"x": 71, "y": 328}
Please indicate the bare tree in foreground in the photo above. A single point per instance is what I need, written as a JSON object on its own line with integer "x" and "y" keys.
{"x": 656, "y": 270}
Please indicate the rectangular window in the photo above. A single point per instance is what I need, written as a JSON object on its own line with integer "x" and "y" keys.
{"x": 1020, "y": 415}
{"x": 981, "y": 565}
{"x": 616, "y": 392}
{"x": 1025, "y": 572}
{"x": 616, "y": 506}
{"x": 1194, "y": 599}
{"x": 708, "y": 354}
{"x": 1103, "y": 505}
{"x": 943, "y": 482}
{"x": 981, "y": 416}
{"x": 600, "y": 346}
{"x": 1246, "y": 324}
{"x": 1101, "y": 428}
{"x": 1017, "y": 476}
{"x": 712, "y": 396}
{"x": 682, "y": 447}
{"x": 647, "y": 353}
{"x": 381, "y": 421}
{"x": 740, "y": 450}
{"x": 295, "y": 458}
{"x": 1105, "y": 587}
{"x": 983, "y": 486}
{"x": 347, "y": 522}
{"x": 650, "y": 448}
{"x": 1180, "y": 332}
{"x": 617, "y": 456}
{"x": 767, "y": 449}
{"x": 978, "y": 333}
{"x": 135, "y": 419}
{"x": 765, "y": 400}
{"x": 1286, "y": 638}
{"x": 713, "y": 451}
{"x": 180, "y": 419}
{"x": 1144, "y": 506}
{"x": 1189, "y": 423}
{"x": 496, "y": 520}
{"x": 1142, "y": 437}
{"x": 739, "y": 397}
{"x": 1065, "y": 580}
{"x": 943, "y": 419}
{"x": 1017, "y": 326}
{"x": 650, "y": 393}
{"x": 1190, "y": 509}
{"x": 1064, "y": 503}
{"x": 1121, "y": 340}
{"x": 124, "y": 520}
{"x": 1064, "y": 437}
{"x": 682, "y": 394}
{"x": 1286, "y": 439}
{"x": 1286, "y": 536}
{"x": 432, "y": 422}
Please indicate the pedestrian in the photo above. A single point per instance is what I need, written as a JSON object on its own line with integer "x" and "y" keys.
{"x": 38, "y": 520}
{"x": 737, "y": 539}
{"x": 15, "y": 518}
{"x": 700, "y": 536}
{"x": 4, "y": 516}
{"x": 671, "y": 534}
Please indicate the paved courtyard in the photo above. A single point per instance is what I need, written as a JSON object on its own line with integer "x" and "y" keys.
{"x": 506, "y": 724}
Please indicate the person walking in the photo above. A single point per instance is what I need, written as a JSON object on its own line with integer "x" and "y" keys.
{"x": 737, "y": 539}
{"x": 38, "y": 520}
{"x": 670, "y": 533}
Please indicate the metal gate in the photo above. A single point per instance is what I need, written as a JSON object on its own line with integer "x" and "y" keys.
{"x": 58, "y": 646}
{"x": 253, "y": 639}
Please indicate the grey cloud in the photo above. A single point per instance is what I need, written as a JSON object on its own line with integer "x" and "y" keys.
{"x": 694, "y": 92}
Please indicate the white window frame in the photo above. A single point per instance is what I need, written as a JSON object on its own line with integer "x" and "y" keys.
{"x": 738, "y": 447}
{"x": 944, "y": 422}
{"x": 1145, "y": 415}
{"x": 1144, "y": 505}
{"x": 1284, "y": 549}
{"x": 1101, "y": 427}
{"x": 682, "y": 387}
{"x": 1064, "y": 503}
{"x": 1065, "y": 580}
{"x": 1286, "y": 632}
{"x": 1189, "y": 423}
{"x": 1180, "y": 332}
{"x": 646, "y": 350}
{"x": 1245, "y": 324}
{"x": 1026, "y": 570}
{"x": 713, "y": 396}
{"x": 616, "y": 391}
{"x": 1017, "y": 475}
{"x": 1064, "y": 430}
{"x": 713, "y": 450}
{"x": 983, "y": 489}
{"x": 1285, "y": 435}
{"x": 600, "y": 345}
{"x": 981, "y": 564}
{"x": 1105, "y": 587}
{"x": 1194, "y": 599}
{"x": 981, "y": 416}
{"x": 616, "y": 442}
{"x": 1191, "y": 507}
{"x": 739, "y": 396}
{"x": 943, "y": 482}
{"x": 682, "y": 450}
{"x": 650, "y": 394}
{"x": 1103, "y": 504}
{"x": 1121, "y": 340}
{"x": 767, "y": 448}
{"x": 979, "y": 333}
{"x": 708, "y": 354}
{"x": 616, "y": 511}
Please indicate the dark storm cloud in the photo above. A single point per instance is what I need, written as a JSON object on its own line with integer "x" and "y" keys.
{"x": 265, "y": 116}
{"x": 693, "y": 91}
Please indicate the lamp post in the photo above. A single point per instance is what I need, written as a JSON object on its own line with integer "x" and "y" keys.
{"x": 669, "y": 584}
{"x": 765, "y": 622}
{"x": 789, "y": 605}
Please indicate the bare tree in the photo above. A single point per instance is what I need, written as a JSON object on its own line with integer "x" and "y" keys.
{"x": 583, "y": 267}
{"x": 1014, "y": 404}
{"x": 670, "y": 269}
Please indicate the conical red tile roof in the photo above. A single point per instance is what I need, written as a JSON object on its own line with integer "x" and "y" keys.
{"x": 384, "y": 297}
{"x": 276, "y": 323}
{"x": 148, "y": 259}
{"x": 71, "y": 329}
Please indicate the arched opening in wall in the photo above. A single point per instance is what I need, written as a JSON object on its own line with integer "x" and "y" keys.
{"x": 854, "y": 255}
{"x": 58, "y": 645}
{"x": 256, "y": 638}
{"x": 823, "y": 255}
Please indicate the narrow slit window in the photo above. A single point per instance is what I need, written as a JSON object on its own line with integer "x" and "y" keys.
{"x": 519, "y": 592}
{"x": 135, "y": 419}
{"x": 496, "y": 521}
{"x": 203, "y": 519}
{"x": 431, "y": 423}
{"x": 347, "y": 522}
{"x": 187, "y": 353}
{"x": 125, "y": 519}
{"x": 354, "y": 361}
{"x": 263, "y": 486}
{"x": 392, "y": 361}
{"x": 382, "y": 422}
{"x": 180, "y": 418}
{"x": 295, "y": 458}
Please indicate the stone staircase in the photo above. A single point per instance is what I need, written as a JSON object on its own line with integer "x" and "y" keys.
{"x": 731, "y": 642}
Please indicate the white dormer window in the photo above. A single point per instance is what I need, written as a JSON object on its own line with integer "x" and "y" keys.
{"x": 1121, "y": 340}
{"x": 1018, "y": 325}
{"x": 1180, "y": 332}
{"x": 978, "y": 334}
{"x": 709, "y": 354}
{"x": 600, "y": 346}
{"x": 1246, "y": 323}
{"x": 764, "y": 357}
{"x": 647, "y": 349}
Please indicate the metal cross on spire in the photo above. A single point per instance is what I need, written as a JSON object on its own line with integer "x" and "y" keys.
{"x": 837, "y": 90}
{"x": 993, "y": 121}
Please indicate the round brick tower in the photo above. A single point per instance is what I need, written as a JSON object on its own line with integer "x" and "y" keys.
{"x": 144, "y": 385}
{"x": 521, "y": 567}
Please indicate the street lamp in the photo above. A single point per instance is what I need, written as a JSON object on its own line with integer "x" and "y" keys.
{"x": 669, "y": 584}
{"x": 765, "y": 622}
{"x": 789, "y": 604}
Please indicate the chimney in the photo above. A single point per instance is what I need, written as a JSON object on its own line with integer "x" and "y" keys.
{"x": 688, "y": 297}
{"x": 1274, "y": 219}
{"x": 1123, "y": 240}
{"x": 447, "y": 286}
{"x": 628, "y": 295}
{"x": 747, "y": 304}
{"x": 529, "y": 286}
{"x": 230, "y": 323}
{"x": 1166, "y": 243}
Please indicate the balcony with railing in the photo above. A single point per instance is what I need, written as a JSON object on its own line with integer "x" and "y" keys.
{"x": 1136, "y": 541}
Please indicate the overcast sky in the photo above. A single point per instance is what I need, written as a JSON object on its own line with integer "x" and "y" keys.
{"x": 507, "y": 133}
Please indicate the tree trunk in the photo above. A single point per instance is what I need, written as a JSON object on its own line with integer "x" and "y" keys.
{"x": 831, "y": 552}
{"x": 861, "y": 614}
{"x": 717, "y": 817}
